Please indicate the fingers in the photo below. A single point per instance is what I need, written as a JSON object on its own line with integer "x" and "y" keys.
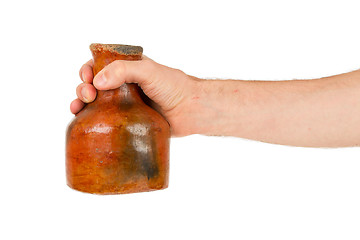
{"x": 119, "y": 72}
{"x": 86, "y": 92}
{"x": 111, "y": 77}
{"x": 76, "y": 106}
{"x": 86, "y": 72}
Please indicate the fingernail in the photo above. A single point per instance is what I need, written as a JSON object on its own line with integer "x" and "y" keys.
{"x": 85, "y": 95}
{"x": 83, "y": 77}
{"x": 101, "y": 81}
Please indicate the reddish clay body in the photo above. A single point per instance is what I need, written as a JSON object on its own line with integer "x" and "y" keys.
{"x": 117, "y": 144}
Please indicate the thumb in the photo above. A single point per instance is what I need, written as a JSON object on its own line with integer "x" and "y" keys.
{"x": 120, "y": 71}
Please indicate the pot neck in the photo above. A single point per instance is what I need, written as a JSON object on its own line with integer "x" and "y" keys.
{"x": 104, "y": 54}
{"x": 125, "y": 94}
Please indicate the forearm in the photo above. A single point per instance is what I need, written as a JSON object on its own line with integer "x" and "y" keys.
{"x": 317, "y": 113}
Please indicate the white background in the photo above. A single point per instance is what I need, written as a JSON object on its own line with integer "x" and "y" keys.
{"x": 220, "y": 188}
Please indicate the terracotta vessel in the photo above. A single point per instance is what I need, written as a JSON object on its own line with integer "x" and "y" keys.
{"x": 117, "y": 144}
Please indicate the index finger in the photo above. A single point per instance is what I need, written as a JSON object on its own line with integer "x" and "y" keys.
{"x": 86, "y": 72}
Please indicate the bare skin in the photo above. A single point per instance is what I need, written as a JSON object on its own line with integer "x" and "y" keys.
{"x": 321, "y": 112}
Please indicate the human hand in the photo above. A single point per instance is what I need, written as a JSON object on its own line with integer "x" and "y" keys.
{"x": 171, "y": 90}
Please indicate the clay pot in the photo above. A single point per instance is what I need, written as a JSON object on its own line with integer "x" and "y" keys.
{"x": 117, "y": 144}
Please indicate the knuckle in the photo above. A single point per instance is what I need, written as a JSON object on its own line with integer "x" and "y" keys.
{"x": 114, "y": 73}
{"x": 150, "y": 65}
{"x": 119, "y": 67}
{"x": 178, "y": 71}
{"x": 117, "y": 71}
{"x": 150, "y": 71}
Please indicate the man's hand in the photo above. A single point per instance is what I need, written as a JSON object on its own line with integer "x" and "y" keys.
{"x": 170, "y": 89}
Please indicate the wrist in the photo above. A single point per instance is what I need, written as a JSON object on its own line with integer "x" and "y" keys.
{"x": 186, "y": 118}
{"x": 213, "y": 107}
{"x": 210, "y": 108}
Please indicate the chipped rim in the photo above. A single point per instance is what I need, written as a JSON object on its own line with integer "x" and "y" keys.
{"x": 117, "y": 48}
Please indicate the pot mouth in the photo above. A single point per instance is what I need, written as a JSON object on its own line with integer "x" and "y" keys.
{"x": 117, "y": 48}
